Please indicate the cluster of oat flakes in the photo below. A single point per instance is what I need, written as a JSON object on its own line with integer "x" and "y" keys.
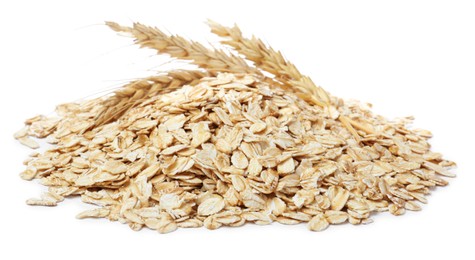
{"x": 228, "y": 145}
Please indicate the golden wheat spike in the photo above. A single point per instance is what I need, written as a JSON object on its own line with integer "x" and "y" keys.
{"x": 212, "y": 60}
{"x": 267, "y": 59}
{"x": 135, "y": 92}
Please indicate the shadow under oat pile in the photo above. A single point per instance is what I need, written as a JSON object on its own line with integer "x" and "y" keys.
{"x": 225, "y": 144}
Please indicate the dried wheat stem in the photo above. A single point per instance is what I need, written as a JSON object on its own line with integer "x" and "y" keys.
{"x": 180, "y": 48}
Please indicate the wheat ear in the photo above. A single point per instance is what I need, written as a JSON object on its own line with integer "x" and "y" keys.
{"x": 135, "y": 92}
{"x": 267, "y": 59}
{"x": 212, "y": 60}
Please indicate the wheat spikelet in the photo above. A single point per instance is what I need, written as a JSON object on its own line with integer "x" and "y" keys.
{"x": 135, "y": 92}
{"x": 180, "y": 48}
{"x": 267, "y": 59}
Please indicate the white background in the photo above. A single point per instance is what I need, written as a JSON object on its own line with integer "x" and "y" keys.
{"x": 405, "y": 57}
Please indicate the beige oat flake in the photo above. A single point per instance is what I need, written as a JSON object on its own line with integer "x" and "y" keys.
{"x": 211, "y": 205}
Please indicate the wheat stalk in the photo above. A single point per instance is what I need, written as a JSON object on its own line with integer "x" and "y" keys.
{"x": 135, "y": 92}
{"x": 212, "y": 60}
